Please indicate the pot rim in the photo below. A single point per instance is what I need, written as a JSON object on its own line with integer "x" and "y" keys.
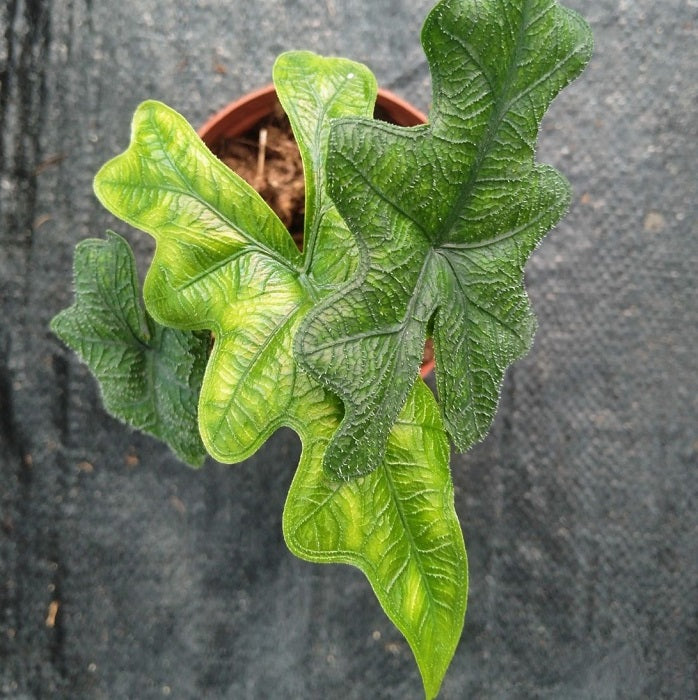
{"x": 241, "y": 114}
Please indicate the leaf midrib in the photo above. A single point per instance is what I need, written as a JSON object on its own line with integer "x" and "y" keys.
{"x": 411, "y": 541}
{"x": 412, "y": 545}
{"x": 499, "y": 111}
{"x": 114, "y": 302}
{"x": 317, "y": 156}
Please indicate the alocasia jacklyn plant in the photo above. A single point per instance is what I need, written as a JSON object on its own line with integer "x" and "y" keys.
{"x": 409, "y": 233}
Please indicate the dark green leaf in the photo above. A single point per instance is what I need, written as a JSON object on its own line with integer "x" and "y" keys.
{"x": 447, "y": 215}
{"x": 149, "y": 375}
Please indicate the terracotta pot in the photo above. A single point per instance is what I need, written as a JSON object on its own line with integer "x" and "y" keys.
{"x": 240, "y": 116}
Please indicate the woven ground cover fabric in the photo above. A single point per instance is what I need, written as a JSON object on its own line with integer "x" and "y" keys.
{"x": 124, "y": 573}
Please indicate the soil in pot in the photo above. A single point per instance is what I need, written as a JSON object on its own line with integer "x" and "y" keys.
{"x": 267, "y": 157}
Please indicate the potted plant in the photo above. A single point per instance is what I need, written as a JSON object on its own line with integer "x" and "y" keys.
{"x": 409, "y": 233}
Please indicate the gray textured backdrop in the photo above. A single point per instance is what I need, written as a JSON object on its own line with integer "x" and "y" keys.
{"x": 579, "y": 509}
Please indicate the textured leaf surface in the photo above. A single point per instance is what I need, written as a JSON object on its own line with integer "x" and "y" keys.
{"x": 149, "y": 375}
{"x": 223, "y": 262}
{"x": 447, "y": 215}
{"x": 223, "y": 259}
{"x": 398, "y": 525}
{"x": 228, "y": 267}
{"x": 313, "y": 90}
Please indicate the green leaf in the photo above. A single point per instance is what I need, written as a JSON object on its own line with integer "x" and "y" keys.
{"x": 223, "y": 260}
{"x": 446, "y": 215}
{"x": 241, "y": 280}
{"x": 314, "y": 90}
{"x": 398, "y": 525}
{"x": 149, "y": 375}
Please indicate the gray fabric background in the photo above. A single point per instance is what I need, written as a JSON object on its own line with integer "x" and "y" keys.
{"x": 579, "y": 509}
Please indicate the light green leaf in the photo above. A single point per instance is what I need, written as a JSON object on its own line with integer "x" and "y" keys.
{"x": 242, "y": 281}
{"x": 223, "y": 262}
{"x": 398, "y": 525}
{"x": 313, "y": 90}
{"x": 447, "y": 215}
{"x": 149, "y": 375}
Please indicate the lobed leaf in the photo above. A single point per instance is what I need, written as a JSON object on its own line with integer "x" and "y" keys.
{"x": 314, "y": 90}
{"x": 227, "y": 267}
{"x": 398, "y": 525}
{"x": 223, "y": 262}
{"x": 149, "y": 375}
{"x": 446, "y": 215}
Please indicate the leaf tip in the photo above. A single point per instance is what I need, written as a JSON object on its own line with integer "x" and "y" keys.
{"x": 108, "y": 175}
